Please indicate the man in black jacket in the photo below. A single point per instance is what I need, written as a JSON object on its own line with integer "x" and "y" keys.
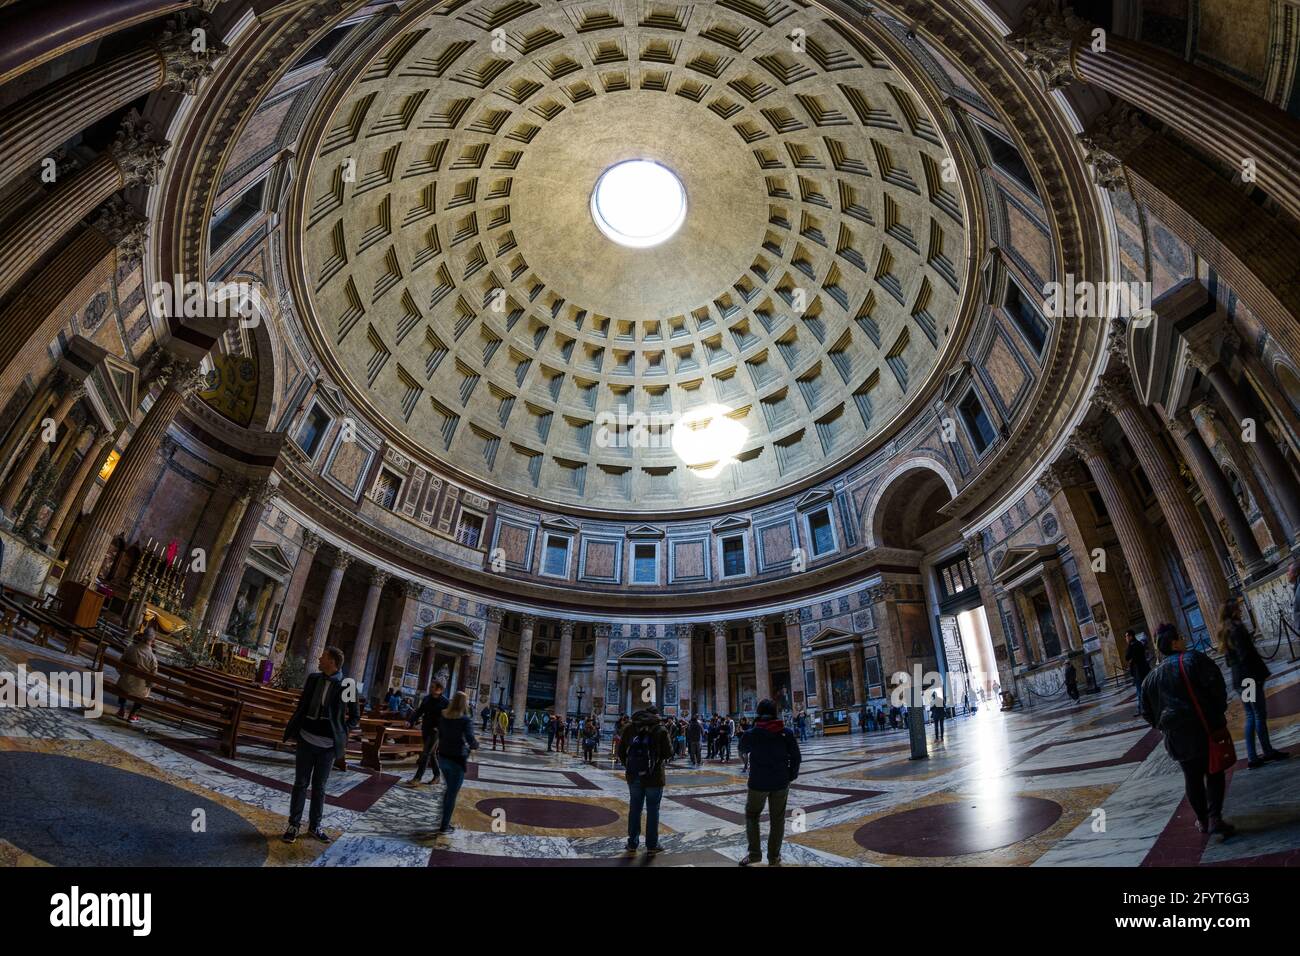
{"x": 694, "y": 731}
{"x": 319, "y": 727}
{"x": 426, "y": 715}
{"x": 644, "y": 749}
{"x": 1167, "y": 706}
{"x": 1135, "y": 656}
{"x": 773, "y": 764}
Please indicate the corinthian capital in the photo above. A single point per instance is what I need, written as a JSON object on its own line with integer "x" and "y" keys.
{"x": 1046, "y": 37}
{"x": 121, "y": 225}
{"x": 180, "y": 375}
{"x": 136, "y": 152}
{"x": 1108, "y": 142}
{"x": 188, "y": 45}
{"x": 1086, "y": 442}
{"x": 311, "y": 541}
{"x": 1113, "y": 393}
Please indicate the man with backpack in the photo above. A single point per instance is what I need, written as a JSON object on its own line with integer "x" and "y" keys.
{"x": 694, "y": 731}
{"x": 774, "y": 760}
{"x": 643, "y": 749}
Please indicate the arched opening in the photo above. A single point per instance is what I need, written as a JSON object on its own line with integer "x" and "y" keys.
{"x": 909, "y": 507}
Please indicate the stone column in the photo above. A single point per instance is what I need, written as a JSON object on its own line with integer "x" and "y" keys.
{"x": 1227, "y": 120}
{"x": 311, "y": 542}
{"x": 411, "y": 591}
{"x": 893, "y": 655}
{"x": 132, "y": 160}
{"x": 265, "y": 636}
{"x": 1280, "y": 476}
{"x": 121, "y": 491}
{"x": 237, "y": 488}
{"x": 1203, "y": 569}
{"x": 855, "y": 663}
{"x": 794, "y": 651}
{"x": 1035, "y": 650}
{"x": 82, "y": 481}
{"x": 45, "y": 479}
{"x": 563, "y": 667}
{"x": 320, "y": 636}
{"x": 427, "y": 648}
{"x": 522, "y": 668}
{"x": 1130, "y": 528}
{"x": 997, "y": 633}
{"x": 1214, "y": 432}
{"x": 366, "y": 627}
{"x": 1058, "y": 599}
{"x": 41, "y": 32}
{"x": 488, "y": 663}
{"x": 762, "y": 679}
{"x": 258, "y": 493}
{"x": 36, "y": 125}
{"x": 685, "y": 691}
{"x": 721, "y": 690}
{"x": 32, "y": 318}
{"x": 823, "y": 688}
{"x": 41, "y": 402}
{"x": 1221, "y": 499}
{"x": 26, "y": 465}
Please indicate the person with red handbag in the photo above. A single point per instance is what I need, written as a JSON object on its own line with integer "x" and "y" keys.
{"x": 1186, "y": 699}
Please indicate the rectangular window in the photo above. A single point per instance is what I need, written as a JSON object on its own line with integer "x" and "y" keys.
{"x": 556, "y": 562}
{"x": 981, "y": 430}
{"x": 236, "y": 216}
{"x": 312, "y": 431}
{"x": 819, "y": 529}
{"x": 1030, "y": 323}
{"x": 1007, "y": 158}
{"x": 387, "y": 488}
{"x": 469, "y": 529}
{"x": 733, "y": 556}
{"x": 645, "y": 563}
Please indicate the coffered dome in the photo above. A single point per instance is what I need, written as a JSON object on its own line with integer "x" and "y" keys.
{"x": 464, "y": 293}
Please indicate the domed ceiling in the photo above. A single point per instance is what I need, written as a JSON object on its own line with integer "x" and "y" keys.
{"x": 463, "y": 290}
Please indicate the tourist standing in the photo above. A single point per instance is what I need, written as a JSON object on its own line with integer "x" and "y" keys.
{"x": 642, "y": 751}
{"x": 550, "y": 730}
{"x": 937, "y": 714}
{"x": 486, "y": 713}
{"x": 319, "y": 729}
{"x": 694, "y": 731}
{"x": 428, "y": 714}
{"x": 773, "y": 757}
{"x": 1139, "y": 664}
{"x": 139, "y": 655}
{"x": 455, "y": 741}
{"x": 1185, "y": 699}
{"x": 724, "y": 739}
{"x": 500, "y": 727}
{"x": 1249, "y": 672}
{"x": 1071, "y": 682}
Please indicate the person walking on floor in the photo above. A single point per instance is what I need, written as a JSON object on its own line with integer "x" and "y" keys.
{"x": 550, "y": 731}
{"x": 500, "y": 727}
{"x": 319, "y": 728}
{"x": 1249, "y": 672}
{"x": 724, "y": 739}
{"x": 1139, "y": 664}
{"x": 427, "y": 715}
{"x": 713, "y": 737}
{"x": 134, "y": 687}
{"x": 937, "y": 714}
{"x": 1185, "y": 699}
{"x": 1071, "y": 682}
{"x": 487, "y": 713}
{"x": 590, "y": 740}
{"x": 694, "y": 731}
{"x": 455, "y": 741}
{"x": 643, "y": 750}
{"x": 774, "y": 757}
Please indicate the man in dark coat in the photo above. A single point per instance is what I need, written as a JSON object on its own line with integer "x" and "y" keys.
{"x": 694, "y": 731}
{"x": 319, "y": 728}
{"x": 773, "y": 763}
{"x": 1168, "y": 706}
{"x": 1139, "y": 665}
{"x": 427, "y": 715}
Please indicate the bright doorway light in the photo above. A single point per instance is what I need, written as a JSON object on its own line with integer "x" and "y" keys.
{"x": 707, "y": 440}
{"x": 638, "y": 203}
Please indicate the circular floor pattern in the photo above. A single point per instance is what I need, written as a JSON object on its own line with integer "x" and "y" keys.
{"x": 955, "y": 829}
{"x": 71, "y": 812}
{"x": 549, "y": 814}
{"x": 698, "y": 779}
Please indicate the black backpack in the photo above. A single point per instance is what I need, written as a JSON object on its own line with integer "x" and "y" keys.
{"x": 642, "y": 756}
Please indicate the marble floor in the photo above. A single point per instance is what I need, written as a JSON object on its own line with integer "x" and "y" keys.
{"x": 1062, "y": 784}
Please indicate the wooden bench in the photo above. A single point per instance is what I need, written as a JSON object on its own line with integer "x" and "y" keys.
{"x": 383, "y": 740}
